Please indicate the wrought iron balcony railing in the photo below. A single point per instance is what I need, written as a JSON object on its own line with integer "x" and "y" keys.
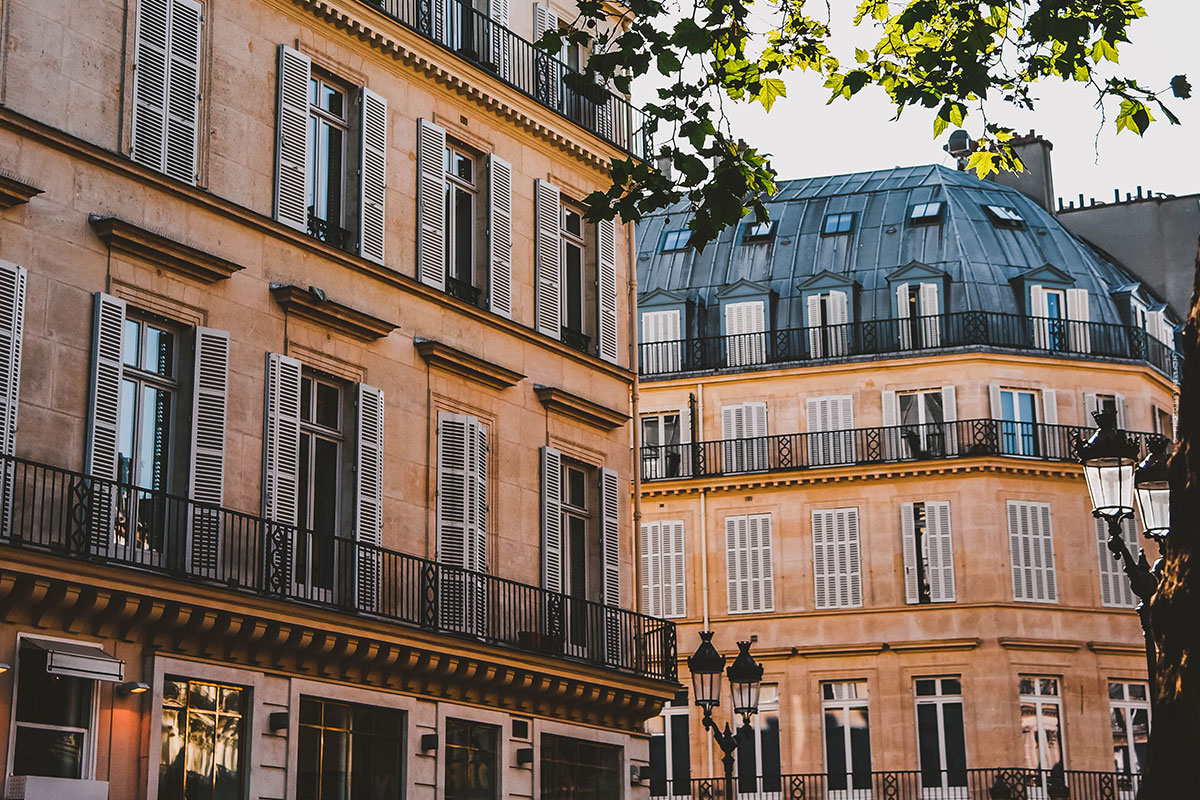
{"x": 964, "y": 438}
{"x": 78, "y": 516}
{"x": 477, "y": 38}
{"x": 576, "y": 339}
{"x": 897, "y": 337}
{"x": 998, "y": 783}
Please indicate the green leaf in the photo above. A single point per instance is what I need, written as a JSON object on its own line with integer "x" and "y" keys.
{"x": 770, "y": 90}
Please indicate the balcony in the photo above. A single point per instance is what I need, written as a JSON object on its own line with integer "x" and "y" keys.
{"x": 495, "y": 49}
{"x": 76, "y": 516}
{"x": 998, "y": 783}
{"x": 964, "y": 438}
{"x": 900, "y": 337}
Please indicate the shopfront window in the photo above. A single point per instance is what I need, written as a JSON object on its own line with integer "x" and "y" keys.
{"x": 202, "y": 741}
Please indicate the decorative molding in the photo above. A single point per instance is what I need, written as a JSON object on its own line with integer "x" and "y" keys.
{"x": 579, "y": 408}
{"x": 934, "y": 645}
{"x": 1042, "y": 645}
{"x": 1117, "y": 649}
{"x": 162, "y": 250}
{"x": 462, "y": 363}
{"x": 312, "y": 305}
{"x": 828, "y": 651}
{"x": 14, "y": 191}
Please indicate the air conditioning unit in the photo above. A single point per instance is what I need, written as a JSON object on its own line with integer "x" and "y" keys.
{"x": 36, "y": 787}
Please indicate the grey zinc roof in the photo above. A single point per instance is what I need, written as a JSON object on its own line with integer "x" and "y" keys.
{"x": 980, "y": 257}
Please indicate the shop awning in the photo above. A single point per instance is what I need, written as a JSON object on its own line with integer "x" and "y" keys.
{"x": 79, "y": 660}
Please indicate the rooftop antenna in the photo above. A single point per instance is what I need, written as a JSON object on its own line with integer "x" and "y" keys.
{"x": 959, "y": 146}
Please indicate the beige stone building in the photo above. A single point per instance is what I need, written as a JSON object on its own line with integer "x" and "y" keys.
{"x": 856, "y": 431}
{"x": 315, "y": 390}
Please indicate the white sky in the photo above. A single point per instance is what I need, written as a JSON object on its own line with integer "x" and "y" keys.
{"x": 807, "y": 138}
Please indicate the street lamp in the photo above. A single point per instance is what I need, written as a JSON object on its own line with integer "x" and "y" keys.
{"x": 745, "y": 679}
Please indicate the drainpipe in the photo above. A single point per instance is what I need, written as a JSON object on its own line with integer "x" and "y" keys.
{"x": 633, "y": 409}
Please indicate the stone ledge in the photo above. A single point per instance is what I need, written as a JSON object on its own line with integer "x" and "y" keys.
{"x": 579, "y": 408}
{"x": 313, "y": 305}
{"x": 14, "y": 191}
{"x": 468, "y": 366}
{"x": 1117, "y": 649}
{"x": 162, "y": 250}
{"x": 1043, "y": 645}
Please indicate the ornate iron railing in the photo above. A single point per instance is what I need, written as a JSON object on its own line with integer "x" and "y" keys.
{"x": 84, "y": 517}
{"x": 964, "y": 438}
{"x": 475, "y": 37}
{"x": 576, "y": 339}
{"x": 463, "y": 290}
{"x": 898, "y": 337}
{"x": 1000, "y": 783}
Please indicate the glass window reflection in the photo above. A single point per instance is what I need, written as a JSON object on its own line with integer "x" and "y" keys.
{"x": 202, "y": 741}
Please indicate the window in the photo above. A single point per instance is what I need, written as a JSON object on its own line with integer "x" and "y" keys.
{"x": 663, "y": 456}
{"x": 847, "y": 736}
{"x": 54, "y": 719}
{"x": 578, "y": 506}
{"x": 166, "y": 86}
{"x": 1113, "y": 403}
{"x": 461, "y": 190}
{"x": 670, "y": 749}
{"x": 328, "y": 133}
{"x": 661, "y": 348}
{"x": 1031, "y": 546}
{"x": 928, "y": 552}
{"x": 1115, "y": 589}
{"x": 1129, "y": 705}
{"x": 1041, "y": 725}
{"x": 578, "y": 769}
{"x": 318, "y": 490}
{"x": 748, "y": 569}
{"x": 1018, "y": 429}
{"x": 838, "y": 223}
{"x": 757, "y": 231}
{"x": 922, "y": 419}
{"x": 472, "y": 761}
{"x": 758, "y": 763}
{"x": 941, "y": 743}
{"x": 837, "y": 572}
{"x": 1060, "y": 319}
{"x": 577, "y": 285}
{"x": 1164, "y": 422}
{"x": 675, "y": 240}
{"x": 745, "y": 333}
{"x": 202, "y": 740}
{"x": 917, "y": 312}
{"x": 1004, "y": 216}
{"x": 462, "y": 521}
{"x": 830, "y": 430}
{"x": 664, "y": 583}
{"x": 828, "y": 332}
{"x": 925, "y": 213}
{"x": 348, "y": 751}
{"x": 744, "y": 430}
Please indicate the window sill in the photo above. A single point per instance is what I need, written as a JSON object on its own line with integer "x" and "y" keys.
{"x": 36, "y": 787}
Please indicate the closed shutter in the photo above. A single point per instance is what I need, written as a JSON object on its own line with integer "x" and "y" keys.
{"x": 839, "y": 316}
{"x": 368, "y": 496}
{"x": 908, "y": 542}
{"x": 950, "y": 417}
{"x": 150, "y": 55}
{"x": 836, "y": 558}
{"x": 1156, "y": 326}
{"x": 762, "y": 579}
{"x": 462, "y": 520}
{"x": 281, "y": 440}
{"x": 891, "y": 432}
{"x": 737, "y": 564}
{"x": 12, "y": 324}
{"x": 548, "y": 266}
{"x": 816, "y": 339}
{"x": 500, "y": 234}
{"x": 1031, "y": 548}
{"x": 431, "y": 204}
{"x": 1115, "y": 589}
{"x": 606, "y": 288}
{"x": 749, "y": 577}
{"x": 552, "y": 554}
{"x": 610, "y": 564}
{"x": 498, "y": 10}
{"x": 183, "y": 90}
{"x": 206, "y": 482}
{"x": 745, "y": 323}
{"x": 1079, "y": 333}
{"x": 104, "y": 416}
{"x": 930, "y": 323}
{"x": 373, "y": 177}
{"x": 1050, "y": 406}
{"x": 939, "y": 549}
{"x": 661, "y": 348}
{"x": 903, "y": 317}
{"x": 674, "y": 585}
{"x": 650, "y": 549}
{"x": 830, "y": 426}
{"x": 744, "y": 428}
{"x": 291, "y": 139}
{"x": 995, "y": 402}
{"x": 758, "y": 447}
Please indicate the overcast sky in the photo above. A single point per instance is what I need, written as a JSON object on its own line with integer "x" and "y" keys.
{"x": 808, "y": 138}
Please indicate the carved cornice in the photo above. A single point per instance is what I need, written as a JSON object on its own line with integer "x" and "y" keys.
{"x": 1040, "y": 645}
{"x": 14, "y": 191}
{"x": 463, "y": 363}
{"x": 1117, "y": 649}
{"x": 934, "y": 645}
{"x": 162, "y": 250}
{"x": 579, "y": 408}
{"x": 311, "y": 304}
{"x": 830, "y": 650}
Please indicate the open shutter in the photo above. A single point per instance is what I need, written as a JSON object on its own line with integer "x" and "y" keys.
{"x": 685, "y": 440}
{"x": 453, "y": 546}
{"x": 839, "y": 316}
{"x": 610, "y": 558}
{"x": 674, "y": 589}
{"x": 1090, "y": 405}
{"x": 815, "y": 334}
{"x": 994, "y": 401}
{"x": 650, "y": 548}
{"x": 606, "y": 290}
{"x": 757, "y": 446}
{"x": 552, "y": 554}
{"x": 104, "y": 406}
{"x": 291, "y": 139}
{"x": 372, "y": 182}
{"x": 548, "y": 266}
{"x": 1050, "y": 406}
{"x": 891, "y": 433}
{"x": 950, "y": 417}
{"x": 1115, "y": 589}
{"x": 281, "y": 440}
{"x": 850, "y": 559}
{"x": 150, "y": 42}
{"x": 824, "y": 559}
{"x": 761, "y": 578}
{"x": 431, "y": 204}
{"x": 1121, "y": 420}
{"x": 908, "y": 540}
{"x": 737, "y": 564}
{"x": 931, "y": 333}
{"x": 939, "y": 549}
{"x": 368, "y": 496}
{"x": 1041, "y": 325}
{"x": 12, "y": 323}
{"x": 500, "y": 232}
{"x": 206, "y": 481}
{"x": 498, "y": 10}
{"x": 183, "y": 90}
{"x": 1079, "y": 334}
{"x": 903, "y": 317}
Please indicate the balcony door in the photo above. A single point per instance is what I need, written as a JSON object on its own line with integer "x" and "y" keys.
{"x": 1018, "y": 427}
{"x": 847, "y": 740}
{"x": 745, "y": 333}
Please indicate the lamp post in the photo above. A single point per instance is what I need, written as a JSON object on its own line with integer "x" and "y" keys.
{"x": 745, "y": 679}
{"x": 1109, "y": 460}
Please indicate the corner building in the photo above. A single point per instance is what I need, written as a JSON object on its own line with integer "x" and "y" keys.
{"x": 856, "y": 431}
{"x": 315, "y": 391}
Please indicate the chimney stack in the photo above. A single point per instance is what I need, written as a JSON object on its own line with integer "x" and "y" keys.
{"x": 1037, "y": 181}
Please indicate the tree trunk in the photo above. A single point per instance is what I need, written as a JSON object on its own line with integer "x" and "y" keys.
{"x": 1173, "y": 769}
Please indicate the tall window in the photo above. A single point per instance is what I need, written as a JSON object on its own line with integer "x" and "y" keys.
{"x": 578, "y": 507}
{"x": 749, "y": 572}
{"x": 202, "y": 740}
{"x": 54, "y": 720}
{"x": 1031, "y": 548}
{"x": 917, "y": 315}
{"x": 328, "y": 131}
{"x": 661, "y": 348}
{"x": 662, "y": 454}
{"x": 579, "y": 769}
{"x": 574, "y": 281}
{"x": 758, "y": 764}
{"x": 941, "y": 743}
{"x": 847, "y": 735}
{"x": 745, "y": 333}
{"x": 664, "y": 583}
{"x": 1130, "y": 710}
{"x": 319, "y": 487}
{"x": 922, "y": 415}
{"x": 462, "y": 191}
{"x": 828, "y": 333}
{"x": 837, "y": 570}
{"x": 349, "y": 751}
{"x": 670, "y": 749}
{"x": 928, "y": 552}
{"x": 1041, "y": 724}
{"x": 1018, "y": 429}
{"x": 830, "y": 430}
{"x": 472, "y": 761}
{"x": 745, "y": 447}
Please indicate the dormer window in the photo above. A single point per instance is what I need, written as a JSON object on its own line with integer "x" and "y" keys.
{"x": 757, "y": 231}
{"x": 838, "y": 223}
{"x": 925, "y": 213}
{"x": 675, "y": 240}
{"x": 1004, "y": 216}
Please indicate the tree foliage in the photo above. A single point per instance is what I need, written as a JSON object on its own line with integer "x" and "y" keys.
{"x": 947, "y": 57}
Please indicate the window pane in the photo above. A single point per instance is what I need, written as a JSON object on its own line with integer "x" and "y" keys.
{"x": 1048, "y": 686}
{"x": 951, "y": 686}
{"x": 329, "y": 402}
{"x": 576, "y": 488}
{"x": 159, "y": 351}
{"x": 650, "y": 426}
{"x": 471, "y": 761}
{"x": 928, "y": 745}
{"x": 129, "y": 395}
{"x": 463, "y": 232}
{"x": 129, "y": 343}
{"x": 1137, "y": 691}
{"x": 835, "y": 747}
{"x": 769, "y": 734}
{"x": 658, "y": 761}
{"x": 860, "y": 747}
{"x": 926, "y": 687}
{"x": 48, "y": 699}
{"x": 332, "y": 100}
{"x": 333, "y": 176}
{"x": 50, "y": 753}
{"x": 1141, "y": 734}
{"x": 1052, "y": 735}
{"x": 933, "y": 408}
{"x": 909, "y": 409}
{"x": 573, "y": 269}
{"x": 325, "y": 486}
{"x": 1120, "y": 737}
{"x": 464, "y": 168}
{"x": 681, "y": 756}
{"x": 956, "y": 746}
{"x": 572, "y": 222}
{"x": 155, "y": 439}
{"x": 671, "y": 428}
{"x": 1029, "y": 736}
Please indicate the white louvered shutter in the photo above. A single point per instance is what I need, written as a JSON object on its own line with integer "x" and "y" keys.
{"x": 291, "y": 139}
{"x": 995, "y": 402}
{"x": 552, "y": 553}
{"x": 819, "y": 449}
{"x": 950, "y": 417}
{"x": 606, "y": 288}
{"x": 368, "y": 495}
{"x": 610, "y": 563}
{"x": 650, "y": 550}
{"x": 762, "y": 579}
{"x": 908, "y": 541}
{"x": 1115, "y": 589}
{"x": 1079, "y": 334}
{"x": 281, "y": 440}
{"x": 891, "y": 434}
{"x": 836, "y": 558}
{"x": 1121, "y": 407}
{"x": 183, "y": 90}
{"x": 757, "y": 448}
{"x": 548, "y": 259}
{"x": 674, "y": 570}
{"x": 749, "y": 578}
{"x": 939, "y": 552}
{"x": 661, "y": 346}
{"x": 1031, "y": 546}
{"x": 903, "y": 316}
{"x": 824, "y": 559}
{"x": 150, "y": 43}
{"x": 1090, "y": 404}
{"x": 1038, "y": 310}
{"x": 816, "y": 338}
{"x": 500, "y": 233}
{"x": 13, "y": 280}
{"x": 1050, "y": 406}
{"x": 500, "y": 55}
{"x": 737, "y": 565}
{"x": 372, "y": 184}
{"x": 930, "y": 324}
{"x": 431, "y": 204}
{"x": 1156, "y": 326}
{"x": 104, "y": 408}
{"x": 839, "y": 316}
{"x": 745, "y": 323}
{"x": 206, "y": 481}
{"x": 454, "y": 497}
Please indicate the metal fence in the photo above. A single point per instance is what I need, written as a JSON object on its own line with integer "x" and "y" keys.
{"x": 84, "y": 517}
{"x": 902, "y": 336}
